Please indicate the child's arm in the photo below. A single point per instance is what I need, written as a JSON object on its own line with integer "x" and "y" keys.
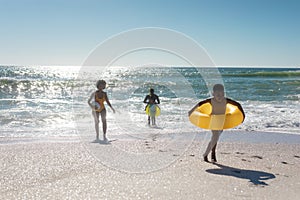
{"x": 108, "y": 103}
{"x": 197, "y": 105}
{"x": 90, "y": 99}
{"x": 192, "y": 110}
{"x": 146, "y": 98}
{"x": 157, "y": 98}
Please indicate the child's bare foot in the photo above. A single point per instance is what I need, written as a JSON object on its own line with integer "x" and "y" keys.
{"x": 105, "y": 139}
{"x": 213, "y": 157}
{"x": 205, "y": 158}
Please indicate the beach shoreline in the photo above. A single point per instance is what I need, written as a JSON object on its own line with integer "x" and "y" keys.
{"x": 67, "y": 169}
{"x": 227, "y": 136}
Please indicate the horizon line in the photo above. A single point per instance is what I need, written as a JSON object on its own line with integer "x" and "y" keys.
{"x": 217, "y": 66}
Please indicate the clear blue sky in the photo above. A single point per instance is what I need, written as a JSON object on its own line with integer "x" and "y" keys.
{"x": 234, "y": 32}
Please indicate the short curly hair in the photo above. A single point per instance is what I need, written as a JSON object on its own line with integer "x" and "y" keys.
{"x": 100, "y": 82}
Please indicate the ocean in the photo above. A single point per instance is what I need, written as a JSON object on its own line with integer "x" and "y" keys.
{"x": 51, "y": 101}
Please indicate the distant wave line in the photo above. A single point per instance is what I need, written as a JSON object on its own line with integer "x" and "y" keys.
{"x": 266, "y": 74}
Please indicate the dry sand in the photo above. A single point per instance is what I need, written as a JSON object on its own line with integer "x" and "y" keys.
{"x": 69, "y": 170}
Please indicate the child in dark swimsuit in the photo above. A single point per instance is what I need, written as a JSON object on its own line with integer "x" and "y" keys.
{"x": 150, "y": 100}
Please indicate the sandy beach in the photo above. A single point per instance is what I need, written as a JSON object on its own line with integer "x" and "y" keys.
{"x": 67, "y": 170}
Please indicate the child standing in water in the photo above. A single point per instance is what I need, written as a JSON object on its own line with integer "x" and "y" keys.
{"x": 218, "y": 103}
{"x": 151, "y": 99}
{"x": 98, "y": 108}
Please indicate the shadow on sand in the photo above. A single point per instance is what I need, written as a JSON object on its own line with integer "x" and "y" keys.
{"x": 255, "y": 177}
{"x": 106, "y": 142}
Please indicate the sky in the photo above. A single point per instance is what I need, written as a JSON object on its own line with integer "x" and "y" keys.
{"x": 233, "y": 32}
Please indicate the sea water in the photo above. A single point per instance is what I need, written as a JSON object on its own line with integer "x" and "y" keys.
{"x": 51, "y": 101}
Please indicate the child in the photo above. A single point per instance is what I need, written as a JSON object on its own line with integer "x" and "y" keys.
{"x": 151, "y": 99}
{"x": 218, "y": 103}
{"x": 98, "y": 98}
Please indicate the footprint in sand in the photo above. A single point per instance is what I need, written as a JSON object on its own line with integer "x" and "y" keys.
{"x": 259, "y": 157}
{"x": 162, "y": 150}
{"x": 246, "y": 160}
{"x": 224, "y": 153}
{"x": 148, "y": 145}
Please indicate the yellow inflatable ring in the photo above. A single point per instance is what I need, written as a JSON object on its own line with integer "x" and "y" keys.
{"x": 157, "y": 110}
{"x": 202, "y": 117}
